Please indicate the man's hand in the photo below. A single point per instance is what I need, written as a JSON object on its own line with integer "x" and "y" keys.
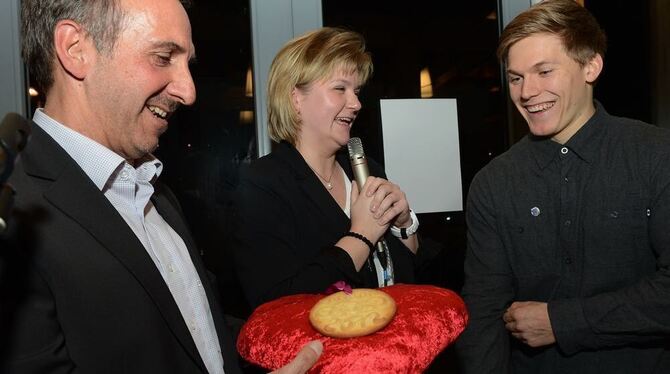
{"x": 304, "y": 360}
{"x": 529, "y": 322}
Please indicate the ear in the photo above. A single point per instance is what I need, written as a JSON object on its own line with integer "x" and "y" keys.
{"x": 73, "y": 48}
{"x": 593, "y": 68}
{"x": 296, "y": 99}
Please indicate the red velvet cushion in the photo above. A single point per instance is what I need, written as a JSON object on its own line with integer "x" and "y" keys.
{"x": 428, "y": 319}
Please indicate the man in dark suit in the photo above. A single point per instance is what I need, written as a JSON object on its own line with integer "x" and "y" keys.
{"x": 98, "y": 272}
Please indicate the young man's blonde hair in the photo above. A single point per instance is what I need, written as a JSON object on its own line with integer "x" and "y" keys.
{"x": 304, "y": 60}
{"x": 580, "y": 32}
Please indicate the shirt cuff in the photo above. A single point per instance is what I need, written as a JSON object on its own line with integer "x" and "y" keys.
{"x": 571, "y": 329}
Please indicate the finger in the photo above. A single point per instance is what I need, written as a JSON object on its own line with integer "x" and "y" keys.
{"x": 304, "y": 360}
{"x": 403, "y": 219}
{"x": 507, "y": 317}
{"x": 383, "y": 199}
{"x": 396, "y": 205}
{"x": 387, "y": 196}
{"x": 378, "y": 206}
{"x": 372, "y": 185}
{"x": 520, "y": 337}
{"x": 512, "y": 327}
{"x": 389, "y": 216}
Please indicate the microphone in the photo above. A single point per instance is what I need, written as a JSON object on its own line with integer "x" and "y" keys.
{"x": 358, "y": 161}
{"x": 14, "y": 132}
{"x": 359, "y": 164}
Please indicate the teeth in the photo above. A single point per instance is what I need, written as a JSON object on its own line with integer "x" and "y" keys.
{"x": 539, "y": 107}
{"x": 344, "y": 119}
{"x": 158, "y": 111}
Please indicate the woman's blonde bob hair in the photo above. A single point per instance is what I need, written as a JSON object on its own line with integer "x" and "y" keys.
{"x": 304, "y": 60}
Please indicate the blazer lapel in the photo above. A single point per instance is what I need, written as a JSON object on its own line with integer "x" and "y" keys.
{"x": 76, "y": 196}
{"x": 168, "y": 207}
{"x": 313, "y": 189}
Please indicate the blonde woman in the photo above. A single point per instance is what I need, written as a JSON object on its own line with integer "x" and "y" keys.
{"x": 302, "y": 224}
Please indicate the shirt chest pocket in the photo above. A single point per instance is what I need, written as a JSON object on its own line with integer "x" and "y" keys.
{"x": 616, "y": 231}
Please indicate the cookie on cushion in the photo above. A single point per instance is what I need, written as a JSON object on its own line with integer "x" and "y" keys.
{"x": 360, "y": 313}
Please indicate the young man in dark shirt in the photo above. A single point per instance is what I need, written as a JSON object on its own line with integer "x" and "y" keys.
{"x": 567, "y": 268}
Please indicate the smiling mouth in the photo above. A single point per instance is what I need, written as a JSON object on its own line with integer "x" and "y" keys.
{"x": 158, "y": 112}
{"x": 346, "y": 121}
{"x": 538, "y": 108}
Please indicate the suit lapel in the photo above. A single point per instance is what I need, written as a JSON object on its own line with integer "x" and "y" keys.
{"x": 75, "y": 195}
{"x": 167, "y": 206}
{"x": 313, "y": 189}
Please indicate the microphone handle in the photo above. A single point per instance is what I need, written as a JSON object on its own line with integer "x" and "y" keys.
{"x": 361, "y": 174}
{"x": 359, "y": 165}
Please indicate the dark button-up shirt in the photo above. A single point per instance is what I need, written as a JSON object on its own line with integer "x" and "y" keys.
{"x": 585, "y": 227}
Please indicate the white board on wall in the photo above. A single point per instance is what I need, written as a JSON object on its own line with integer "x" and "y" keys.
{"x": 421, "y": 152}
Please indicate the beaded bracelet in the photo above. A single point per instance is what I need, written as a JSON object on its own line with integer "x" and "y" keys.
{"x": 361, "y": 238}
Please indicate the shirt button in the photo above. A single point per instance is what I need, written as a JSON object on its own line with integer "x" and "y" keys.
{"x": 124, "y": 175}
{"x": 171, "y": 268}
{"x": 566, "y": 179}
{"x": 567, "y": 223}
{"x": 567, "y": 260}
{"x": 614, "y": 214}
{"x": 564, "y": 150}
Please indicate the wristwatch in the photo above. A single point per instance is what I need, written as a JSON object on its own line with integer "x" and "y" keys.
{"x": 405, "y": 232}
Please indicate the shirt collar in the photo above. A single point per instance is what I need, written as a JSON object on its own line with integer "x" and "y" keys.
{"x": 97, "y": 161}
{"x": 583, "y": 143}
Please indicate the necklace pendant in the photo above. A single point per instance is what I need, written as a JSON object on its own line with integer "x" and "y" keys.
{"x": 329, "y": 186}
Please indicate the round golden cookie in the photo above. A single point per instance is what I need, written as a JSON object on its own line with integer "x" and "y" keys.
{"x": 362, "y": 312}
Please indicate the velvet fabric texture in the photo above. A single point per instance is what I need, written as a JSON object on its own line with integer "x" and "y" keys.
{"x": 427, "y": 320}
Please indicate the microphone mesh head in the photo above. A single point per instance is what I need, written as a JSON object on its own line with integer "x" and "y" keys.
{"x": 355, "y": 147}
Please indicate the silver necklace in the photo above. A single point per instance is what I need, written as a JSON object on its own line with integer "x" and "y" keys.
{"x": 326, "y": 182}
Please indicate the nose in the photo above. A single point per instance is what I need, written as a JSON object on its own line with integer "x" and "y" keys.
{"x": 354, "y": 103}
{"x": 182, "y": 87}
{"x": 529, "y": 88}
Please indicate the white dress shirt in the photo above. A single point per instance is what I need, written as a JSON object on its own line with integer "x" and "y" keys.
{"x": 129, "y": 190}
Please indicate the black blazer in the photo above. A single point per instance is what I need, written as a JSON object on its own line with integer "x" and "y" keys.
{"x": 287, "y": 225}
{"x": 78, "y": 290}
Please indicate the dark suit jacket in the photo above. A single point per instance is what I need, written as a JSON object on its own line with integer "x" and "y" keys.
{"x": 78, "y": 290}
{"x": 287, "y": 225}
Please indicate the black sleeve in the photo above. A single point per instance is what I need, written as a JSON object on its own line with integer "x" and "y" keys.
{"x": 31, "y": 338}
{"x": 265, "y": 243}
{"x": 484, "y": 346}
